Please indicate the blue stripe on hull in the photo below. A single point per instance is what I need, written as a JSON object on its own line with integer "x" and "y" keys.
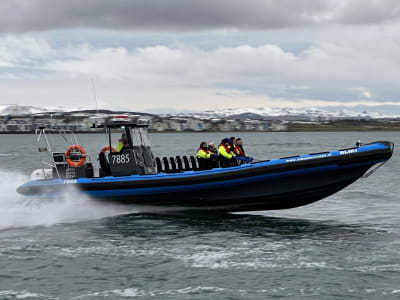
{"x": 219, "y": 184}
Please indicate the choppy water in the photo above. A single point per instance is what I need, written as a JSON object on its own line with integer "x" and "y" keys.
{"x": 343, "y": 247}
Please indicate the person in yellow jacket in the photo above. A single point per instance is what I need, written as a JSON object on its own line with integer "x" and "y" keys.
{"x": 203, "y": 151}
{"x": 226, "y": 154}
{"x": 203, "y": 156}
{"x": 122, "y": 143}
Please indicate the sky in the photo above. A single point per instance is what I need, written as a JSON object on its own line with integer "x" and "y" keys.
{"x": 195, "y": 55}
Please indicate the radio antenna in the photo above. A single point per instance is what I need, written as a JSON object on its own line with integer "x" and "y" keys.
{"x": 94, "y": 94}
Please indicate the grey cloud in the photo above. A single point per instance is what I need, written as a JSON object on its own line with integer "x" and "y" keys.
{"x": 330, "y": 71}
{"x": 41, "y": 15}
{"x": 369, "y": 11}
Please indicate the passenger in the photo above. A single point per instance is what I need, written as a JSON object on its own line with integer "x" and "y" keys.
{"x": 239, "y": 151}
{"x": 212, "y": 148}
{"x": 122, "y": 143}
{"x": 203, "y": 156}
{"x": 214, "y": 161}
{"x": 226, "y": 154}
{"x": 233, "y": 142}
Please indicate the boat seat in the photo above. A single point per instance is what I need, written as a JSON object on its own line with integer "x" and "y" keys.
{"x": 204, "y": 164}
{"x": 186, "y": 163}
{"x": 89, "y": 170}
{"x": 176, "y": 164}
{"x": 173, "y": 165}
{"x": 104, "y": 165}
{"x": 179, "y": 164}
{"x": 159, "y": 165}
{"x": 166, "y": 165}
{"x": 193, "y": 160}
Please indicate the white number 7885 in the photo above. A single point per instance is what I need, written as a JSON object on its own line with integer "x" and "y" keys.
{"x": 121, "y": 159}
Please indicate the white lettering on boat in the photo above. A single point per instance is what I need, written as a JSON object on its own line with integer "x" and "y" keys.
{"x": 69, "y": 181}
{"x": 348, "y": 151}
{"x": 121, "y": 159}
{"x": 309, "y": 157}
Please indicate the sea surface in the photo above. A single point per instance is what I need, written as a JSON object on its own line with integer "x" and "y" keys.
{"x": 346, "y": 246}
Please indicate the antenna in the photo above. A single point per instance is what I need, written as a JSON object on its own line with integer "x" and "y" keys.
{"x": 94, "y": 95}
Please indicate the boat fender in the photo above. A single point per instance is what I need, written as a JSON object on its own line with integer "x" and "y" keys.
{"x": 70, "y": 162}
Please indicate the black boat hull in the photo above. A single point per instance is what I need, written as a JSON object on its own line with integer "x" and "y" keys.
{"x": 278, "y": 193}
{"x": 276, "y": 184}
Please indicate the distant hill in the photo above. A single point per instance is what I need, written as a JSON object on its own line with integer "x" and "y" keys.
{"x": 264, "y": 113}
{"x": 13, "y": 109}
{"x": 291, "y": 114}
{"x": 109, "y": 112}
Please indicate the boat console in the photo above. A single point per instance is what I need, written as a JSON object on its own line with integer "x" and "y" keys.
{"x": 135, "y": 157}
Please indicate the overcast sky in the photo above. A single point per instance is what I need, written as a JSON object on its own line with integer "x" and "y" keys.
{"x": 189, "y": 55}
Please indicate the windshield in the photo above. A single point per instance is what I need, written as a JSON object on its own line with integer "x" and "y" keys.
{"x": 117, "y": 134}
{"x": 140, "y": 137}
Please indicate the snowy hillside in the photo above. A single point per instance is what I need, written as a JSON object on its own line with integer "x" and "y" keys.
{"x": 243, "y": 113}
{"x": 13, "y": 109}
{"x": 293, "y": 113}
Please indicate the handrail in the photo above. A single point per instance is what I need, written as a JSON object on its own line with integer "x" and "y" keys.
{"x": 46, "y": 143}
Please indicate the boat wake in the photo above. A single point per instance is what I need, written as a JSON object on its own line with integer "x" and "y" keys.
{"x": 72, "y": 206}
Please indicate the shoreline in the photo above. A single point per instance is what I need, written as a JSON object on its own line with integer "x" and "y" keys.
{"x": 247, "y": 131}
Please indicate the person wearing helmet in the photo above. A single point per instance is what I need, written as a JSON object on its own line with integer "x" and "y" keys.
{"x": 226, "y": 155}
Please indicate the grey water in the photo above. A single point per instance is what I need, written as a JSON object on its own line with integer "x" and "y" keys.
{"x": 346, "y": 246}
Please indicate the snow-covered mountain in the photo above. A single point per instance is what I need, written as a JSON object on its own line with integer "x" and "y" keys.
{"x": 14, "y": 109}
{"x": 291, "y": 113}
{"x": 243, "y": 113}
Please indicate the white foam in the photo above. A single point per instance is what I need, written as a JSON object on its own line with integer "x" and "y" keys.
{"x": 10, "y": 294}
{"x": 129, "y": 293}
{"x": 106, "y": 249}
{"x": 134, "y": 292}
{"x": 72, "y": 206}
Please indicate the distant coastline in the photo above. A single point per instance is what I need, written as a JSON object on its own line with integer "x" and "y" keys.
{"x": 291, "y": 128}
{"x": 25, "y": 120}
{"x": 341, "y": 126}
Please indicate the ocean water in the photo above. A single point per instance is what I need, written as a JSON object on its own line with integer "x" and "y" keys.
{"x": 346, "y": 246}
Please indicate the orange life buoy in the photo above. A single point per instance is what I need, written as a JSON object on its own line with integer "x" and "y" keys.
{"x": 70, "y": 162}
{"x": 107, "y": 148}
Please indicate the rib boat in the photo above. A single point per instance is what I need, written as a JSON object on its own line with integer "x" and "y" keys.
{"x": 135, "y": 176}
